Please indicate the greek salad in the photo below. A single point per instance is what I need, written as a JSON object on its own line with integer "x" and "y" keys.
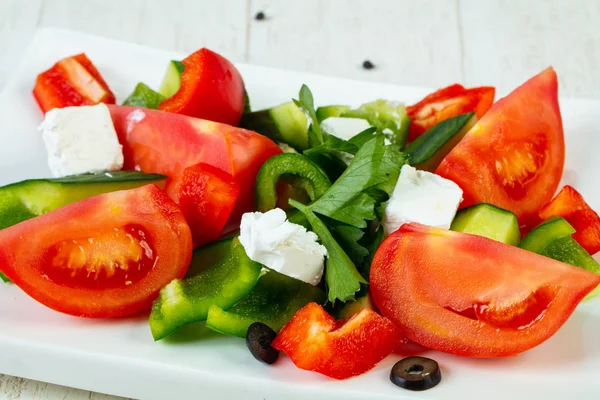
{"x": 336, "y": 234}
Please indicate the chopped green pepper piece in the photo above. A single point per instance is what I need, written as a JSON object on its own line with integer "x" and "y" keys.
{"x": 273, "y": 301}
{"x": 545, "y": 233}
{"x": 144, "y": 96}
{"x": 310, "y": 177}
{"x": 184, "y": 301}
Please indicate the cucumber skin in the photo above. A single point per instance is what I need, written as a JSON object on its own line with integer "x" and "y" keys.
{"x": 28, "y": 199}
{"x": 283, "y": 123}
{"x": 471, "y": 220}
{"x": 172, "y": 79}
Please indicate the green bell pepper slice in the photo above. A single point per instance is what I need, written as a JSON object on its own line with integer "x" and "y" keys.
{"x": 184, "y": 301}
{"x": 310, "y": 177}
{"x": 273, "y": 301}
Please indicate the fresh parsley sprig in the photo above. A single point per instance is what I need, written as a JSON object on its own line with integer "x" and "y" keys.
{"x": 307, "y": 104}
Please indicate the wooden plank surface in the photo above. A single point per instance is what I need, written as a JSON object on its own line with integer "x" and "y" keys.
{"x": 410, "y": 42}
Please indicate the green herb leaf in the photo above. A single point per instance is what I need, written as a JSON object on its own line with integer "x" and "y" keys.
{"x": 348, "y": 237}
{"x": 341, "y": 276}
{"x": 306, "y": 103}
{"x": 345, "y": 201}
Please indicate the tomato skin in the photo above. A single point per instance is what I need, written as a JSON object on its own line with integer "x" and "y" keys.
{"x": 514, "y": 156}
{"x": 168, "y": 143}
{"x": 338, "y": 349}
{"x": 570, "y": 205}
{"x": 24, "y": 250}
{"x": 446, "y": 103}
{"x": 211, "y": 88}
{"x": 57, "y": 88}
{"x": 206, "y": 196}
{"x": 437, "y": 288}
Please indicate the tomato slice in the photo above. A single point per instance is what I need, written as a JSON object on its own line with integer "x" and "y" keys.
{"x": 514, "y": 156}
{"x": 105, "y": 256}
{"x": 436, "y": 286}
{"x": 72, "y": 81}
{"x": 338, "y": 349}
{"x": 168, "y": 143}
{"x": 570, "y": 205}
{"x": 206, "y": 196}
{"x": 446, "y": 103}
{"x": 211, "y": 88}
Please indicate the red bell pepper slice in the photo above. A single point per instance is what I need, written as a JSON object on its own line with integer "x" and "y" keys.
{"x": 570, "y": 205}
{"x": 206, "y": 195}
{"x": 211, "y": 88}
{"x": 338, "y": 349}
{"x": 446, "y": 103}
{"x": 72, "y": 81}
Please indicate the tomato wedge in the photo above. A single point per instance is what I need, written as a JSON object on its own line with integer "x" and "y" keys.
{"x": 514, "y": 156}
{"x": 446, "y": 103}
{"x": 570, "y": 205}
{"x": 437, "y": 288}
{"x": 168, "y": 143}
{"x": 211, "y": 88}
{"x": 338, "y": 349}
{"x": 72, "y": 81}
{"x": 105, "y": 256}
{"x": 206, "y": 196}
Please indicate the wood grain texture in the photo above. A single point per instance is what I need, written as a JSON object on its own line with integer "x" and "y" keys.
{"x": 507, "y": 41}
{"x": 409, "y": 42}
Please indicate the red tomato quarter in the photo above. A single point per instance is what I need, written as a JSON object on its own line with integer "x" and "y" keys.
{"x": 211, "y": 88}
{"x": 514, "y": 156}
{"x": 73, "y": 81}
{"x": 472, "y": 296}
{"x": 166, "y": 143}
{"x": 570, "y": 205}
{"x": 338, "y": 349}
{"x": 447, "y": 103}
{"x": 206, "y": 196}
{"x": 105, "y": 256}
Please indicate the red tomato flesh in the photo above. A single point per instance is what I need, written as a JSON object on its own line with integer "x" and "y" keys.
{"x": 105, "y": 256}
{"x": 338, "y": 349}
{"x": 206, "y": 196}
{"x": 211, "y": 88}
{"x": 472, "y": 296}
{"x": 570, "y": 205}
{"x": 166, "y": 143}
{"x": 447, "y": 103}
{"x": 514, "y": 156}
{"x": 72, "y": 81}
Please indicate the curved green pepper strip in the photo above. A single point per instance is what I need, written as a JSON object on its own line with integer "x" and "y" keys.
{"x": 184, "y": 301}
{"x": 273, "y": 301}
{"x": 312, "y": 178}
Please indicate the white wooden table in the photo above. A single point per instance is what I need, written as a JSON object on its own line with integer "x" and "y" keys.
{"x": 411, "y": 42}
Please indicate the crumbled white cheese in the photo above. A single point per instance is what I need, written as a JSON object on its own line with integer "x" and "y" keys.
{"x": 423, "y": 197}
{"x": 280, "y": 245}
{"x": 80, "y": 140}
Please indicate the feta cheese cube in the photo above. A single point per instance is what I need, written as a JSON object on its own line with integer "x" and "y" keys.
{"x": 280, "y": 245}
{"x": 423, "y": 197}
{"x": 80, "y": 140}
{"x": 344, "y": 128}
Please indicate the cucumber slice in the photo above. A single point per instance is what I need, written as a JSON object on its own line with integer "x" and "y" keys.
{"x": 144, "y": 96}
{"x": 330, "y": 111}
{"x": 567, "y": 250}
{"x": 545, "y": 233}
{"x": 273, "y": 301}
{"x": 283, "y": 123}
{"x": 428, "y": 150}
{"x": 389, "y": 117}
{"x": 489, "y": 221}
{"x": 172, "y": 80}
{"x": 351, "y": 308}
{"x": 27, "y": 199}
{"x": 185, "y": 301}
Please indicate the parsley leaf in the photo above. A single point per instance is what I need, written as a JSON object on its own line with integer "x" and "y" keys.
{"x": 307, "y": 104}
{"x": 345, "y": 201}
{"x": 348, "y": 237}
{"x": 341, "y": 276}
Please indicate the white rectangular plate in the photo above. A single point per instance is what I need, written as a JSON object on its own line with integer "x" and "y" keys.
{"x": 119, "y": 356}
